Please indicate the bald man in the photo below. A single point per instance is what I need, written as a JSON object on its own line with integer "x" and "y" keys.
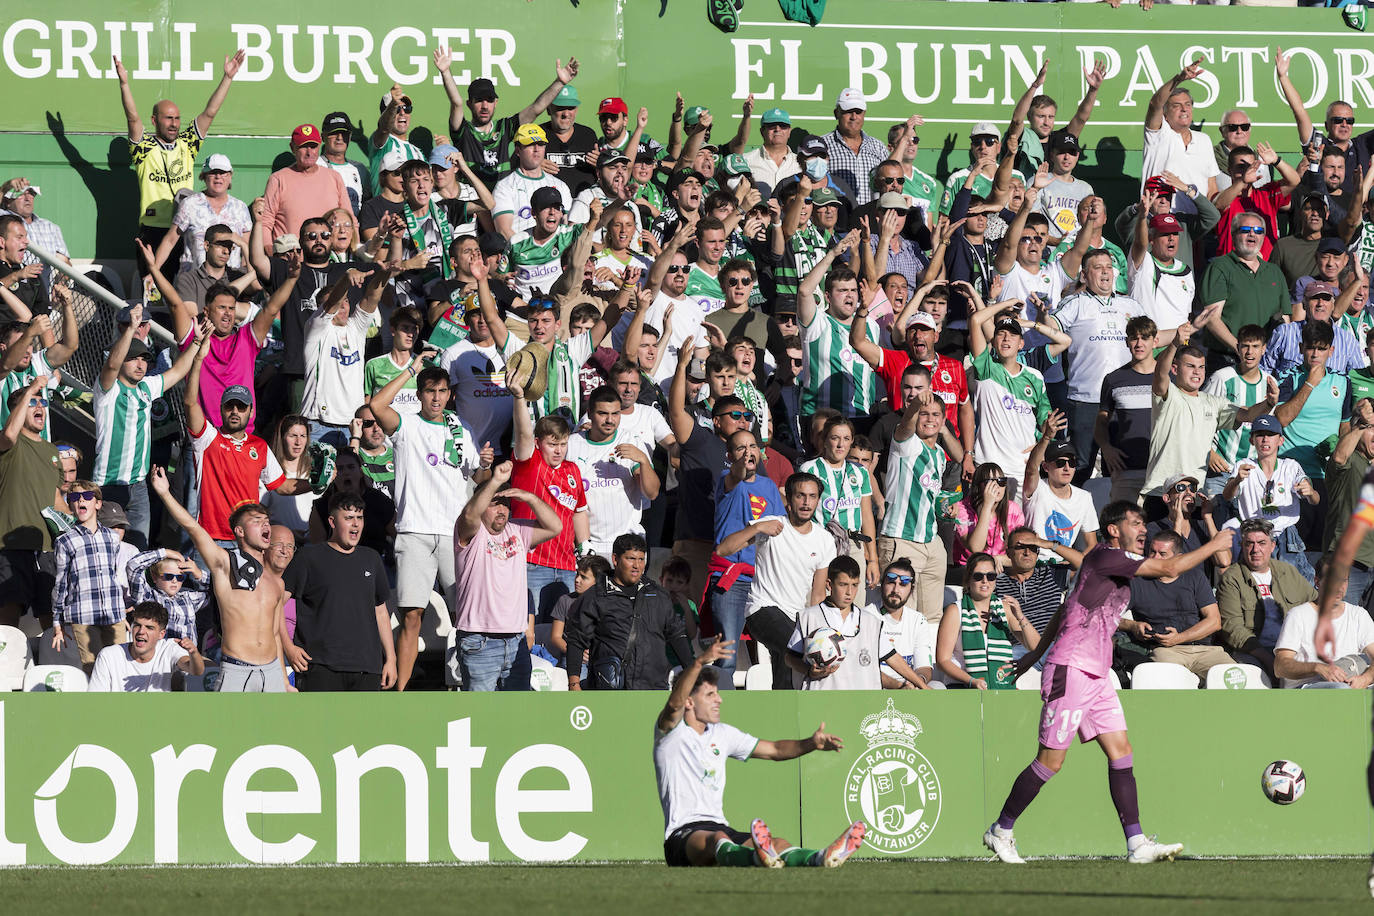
{"x": 165, "y": 158}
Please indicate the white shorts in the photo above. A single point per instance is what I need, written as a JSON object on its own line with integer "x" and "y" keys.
{"x": 420, "y": 558}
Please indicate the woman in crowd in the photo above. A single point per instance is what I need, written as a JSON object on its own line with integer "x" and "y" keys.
{"x": 974, "y": 647}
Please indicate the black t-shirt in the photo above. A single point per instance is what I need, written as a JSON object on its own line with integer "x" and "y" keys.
{"x": 32, "y": 292}
{"x": 303, "y": 302}
{"x": 378, "y": 513}
{"x": 336, "y": 596}
{"x": 703, "y": 458}
{"x": 1126, "y": 398}
{"x": 442, "y": 290}
{"x": 571, "y": 156}
{"x": 1174, "y": 604}
{"x": 370, "y": 216}
{"x": 488, "y": 155}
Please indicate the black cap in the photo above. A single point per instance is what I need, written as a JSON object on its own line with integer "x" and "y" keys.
{"x": 1061, "y": 141}
{"x": 482, "y": 90}
{"x": 609, "y": 155}
{"x": 1008, "y": 323}
{"x": 676, "y": 179}
{"x": 1331, "y": 245}
{"x": 336, "y": 122}
{"x": 648, "y": 151}
{"x": 1061, "y": 448}
{"x": 545, "y": 197}
{"x": 492, "y": 243}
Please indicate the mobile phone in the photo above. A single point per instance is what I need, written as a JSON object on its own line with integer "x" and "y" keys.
{"x": 1318, "y": 138}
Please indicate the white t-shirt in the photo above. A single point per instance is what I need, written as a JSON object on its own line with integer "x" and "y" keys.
{"x": 1166, "y": 295}
{"x": 1354, "y": 632}
{"x": 644, "y": 426}
{"x": 912, "y": 637}
{"x": 432, "y": 483}
{"x": 690, "y": 771}
{"x": 334, "y": 364}
{"x": 785, "y": 565}
{"x": 1059, "y": 520}
{"x": 513, "y": 192}
{"x": 1097, "y": 326}
{"x": 1276, "y": 503}
{"x": 1039, "y": 291}
{"x": 478, "y": 375}
{"x": 116, "y": 671}
{"x": 618, "y": 267}
{"x": 615, "y": 499}
{"x": 581, "y": 212}
{"x": 1165, "y": 151}
{"x": 861, "y": 634}
{"x": 687, "y": 318}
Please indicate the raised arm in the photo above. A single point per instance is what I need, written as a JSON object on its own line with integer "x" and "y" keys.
{"x": 1154, "y": 114}
{"x": 1156, "y": 568}
{"x": 62, "y": 350}
{"x": 1006, "y": 252}
{"x": 547, "y": 523}
{"x": 183, "y": 315}
{"x": 1054, "y": 423}
{"x": 1094, "y": 78}
{"x": 1140, "y": 238}
{"x": 262, "y": 321}
{"x": 126, "y": 98}
{"x": 522, "y": 425}
{"x": 1292, "y": 96}
{"x": 738, "y": 540}
{"x": 232, "y": 62}
{"x": 442, "y": 62}
{"x": 386, "y": 121}
{"x": 182, "y": 364}
{"x": 868, "y": 350}
{"x": 14, "y": 425}
{"x": 672, "y": 712}
{"x": 562, "y": 76}
{"x": 214, "y": 555}
{"x": 190, "y": 395}
{"x": 380, "y": 403}
{"x": 679, "y": 419}
{"x": 257, "y": 248}
{"x": 741, "y": 138}
{"x": 806, "y": 289}
{"x": 470, "y": 519}
{"x": 120, "y": 349}
{"x": 1022, "y": 109}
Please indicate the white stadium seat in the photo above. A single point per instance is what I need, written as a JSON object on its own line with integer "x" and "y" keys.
{"x": 759, "y": 677}
{"x": 1163, "y": 676}
{"x": 55, "y": 679}
{"x": 1116, "y": 678}
{"x": 545, "y": 676}
{"x": 1029, "y": 681}
{"x": 14, "y": 657}
{"x": 1237, "y": 677}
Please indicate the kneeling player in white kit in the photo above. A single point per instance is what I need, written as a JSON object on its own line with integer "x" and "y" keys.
{"x": 1076, "y": 686}
{"x": 691, "y": 746}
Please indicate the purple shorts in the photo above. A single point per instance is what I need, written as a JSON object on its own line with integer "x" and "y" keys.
{"x": 1077, "y": 702}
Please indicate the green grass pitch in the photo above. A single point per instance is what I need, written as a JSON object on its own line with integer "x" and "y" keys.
{"x": 1250, "y": 887}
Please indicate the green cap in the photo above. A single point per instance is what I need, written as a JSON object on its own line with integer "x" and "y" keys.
{"x": 735, "y": 165}
{"x": 693, "y": 115}
{"x": 823, "y": 196}
{"x": 567, "y": 98}
{"x": 1354, "y": 17}
{"x": 777, "y": 116}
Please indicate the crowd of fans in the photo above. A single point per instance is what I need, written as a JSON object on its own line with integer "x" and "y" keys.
{"x": 815, "y": 383}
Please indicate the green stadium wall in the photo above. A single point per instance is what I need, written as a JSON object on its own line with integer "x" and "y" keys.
{"x": 954, "y": 63}
{"x": 90, "y": 779}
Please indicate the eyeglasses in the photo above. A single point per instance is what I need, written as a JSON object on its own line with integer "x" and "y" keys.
{"x": 1065, "y": 463}
{"x": 78, "y": 496}
{"x": 739, "y": 281}
{"x": 982, "y": 577}
{"x": 324, "y": 236}
{"x": 679, "y": 268}
{"x": 898, "y": 578}
{"x": 341, "y": 225}
{"x": 737, "y": 415}
{"x": 984, "y": 141}
{"x": 1232, "y": 128}
{"x": 1250, "y": 230}
{"x": 43, "y": 402}
{"x": 1347, "y": 121}
{"x": 1184, "y": 486}
{"x": 222, "y": 243}
{"x": 368, "y": 424}
{"x": 173, "y": 577}
{"x": 1023, "y": 547}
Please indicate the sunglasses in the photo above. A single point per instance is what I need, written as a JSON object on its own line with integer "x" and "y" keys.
{"x": 899, "y": 578}
{"x": 983, "y": 577}
{"x": 609, "y": 116}
{"x": 1250, "y": 230}
{"x": 79, "y": 496}
{"x": 894, "y": 179}
{"x": 324, "y": 236}
{"x": 1184, "y": 486}
{"x": 984, "y": 141}
{"x": 739, "y": 281}
{"x": 1023, "y": 547}
{"x": 738, "y": 415}
{"x": 1242, "y": 165}
{"x": 679, "y": 268}
{"x": 794, "y": 361}
{"x": 1347, "y": 121}
{"x": 43, "y": 402}
{"x": 368, "y": 424}
{"x": 1065, "y": 463}
{"x": 173, "y": 577}
{"x": 407, "y": 107}
{"x": 1028, "y": 239}
{"x": 1326, "y": 296}
{"x": 1000, "y": 481}
{"x": 1232, "y": 128}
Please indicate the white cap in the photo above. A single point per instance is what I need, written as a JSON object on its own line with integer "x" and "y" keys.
{"x": 392, "y": 161}
{"x": 851, "y": 99}
{"x": 984, "y": 129}
{"x": 218, "y": 162}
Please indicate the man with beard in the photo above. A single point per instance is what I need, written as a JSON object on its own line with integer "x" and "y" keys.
{"x": 947, "y": 379}
{"x": 193, "y": 284}
{"x": 536, "y": 253}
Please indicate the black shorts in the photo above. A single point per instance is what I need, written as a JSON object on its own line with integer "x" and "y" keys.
{"x": 675, "y": 847}
{"x": 23, "y": 582}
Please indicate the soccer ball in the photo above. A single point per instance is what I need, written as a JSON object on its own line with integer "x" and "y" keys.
{"x": 824, "y": 647}
{"x": 1283, "y": 782}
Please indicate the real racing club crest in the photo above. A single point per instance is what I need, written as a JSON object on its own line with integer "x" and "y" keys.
{"x": 892, "y": 787}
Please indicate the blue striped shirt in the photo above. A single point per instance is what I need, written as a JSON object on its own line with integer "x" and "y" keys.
{"x": 1285, "y": 350}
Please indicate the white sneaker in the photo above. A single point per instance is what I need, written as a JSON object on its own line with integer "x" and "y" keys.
{"x": 1148, "y": 850}
{"x": 1003, "y": 845}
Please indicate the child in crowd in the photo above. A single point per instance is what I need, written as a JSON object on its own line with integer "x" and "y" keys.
{"x": 589, "y": 568}
{"x": 674, "y": 577}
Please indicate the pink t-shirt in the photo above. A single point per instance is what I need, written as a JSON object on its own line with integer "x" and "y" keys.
{"x": 1093, "y": 609}
{"x": 490, "y": 573}
{"x": 965, "y": 520}
{"x": 229, "y": 362}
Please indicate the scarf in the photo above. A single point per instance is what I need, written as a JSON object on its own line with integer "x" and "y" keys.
{"x": 418, "y": 238}
{"x": 986, "y": 653}
{"x": 562, "y": 384}
{"x": 453, "y": 448}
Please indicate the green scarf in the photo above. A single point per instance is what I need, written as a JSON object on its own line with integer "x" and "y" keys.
{"x": 418, "y": 237}
{"x": 563, "y": 382}
{"x": 453, "y": 448}
{"x": 986, "y": 653}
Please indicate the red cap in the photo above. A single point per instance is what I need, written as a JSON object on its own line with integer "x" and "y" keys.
{"x": 306, "y": 133}
{"x": 1164, "y": 224}
{"x": 612, "y": 105}
{"x": 1159, "y": 185}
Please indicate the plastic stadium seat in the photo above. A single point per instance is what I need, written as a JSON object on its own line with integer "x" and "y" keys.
{"x": 453, "y": 675}
{"x": 1029, "y": 681}
{"x": 545, "y": 677}
{"x": 55, "y": 679}
{"x": 14, "y": 657}
{"x": 953, "y": 595}
{"x": 1237, "y": 677}
{"x": 1116, "y": 678}
{"x": 1163, "y": 676}
{"x": 938, "y": 685}
{"x": 759, "y": 677}
{"x": 740, "y": 678}
{"x": 30, "y": 625}
{"x": 203, "y": 683}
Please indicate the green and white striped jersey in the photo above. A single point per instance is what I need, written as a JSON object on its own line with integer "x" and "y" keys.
{"x": 1010, "y": 411}
{"x": 1234, "y": 444}
{"x": 19, "y": 379}
{"x": 536, "y": 265}
{"x": 804, "y": 251}
{"x": 124, "y": 430}
{"x": 842, "y": 492}
{"x": 704, "y": 290}
{"x": 833, "y": 374}
{"x": 392, "y": 142}
{"x": 913, "y": 497}
{"x": 924, "y": 190}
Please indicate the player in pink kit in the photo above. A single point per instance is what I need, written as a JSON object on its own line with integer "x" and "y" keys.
{"x": 1076, "y": 685}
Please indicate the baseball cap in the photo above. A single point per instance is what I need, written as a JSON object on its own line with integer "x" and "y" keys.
{"x": 851, "y": 100}
{"x": 239, "y": 393}
{"x": 648, "y": 150}
{"x": 529, "y": 134}
{"x": 386, "y": 101}
{"x": 1267, "y": 424}
{"x": 735, "y": 165}
{"x": 567, "y": 98}
{"x": 137, "y": 348}
{"x": 1162, "y": 187}
{"x": 482, "y": 90}
{"x": 336, "y": 122}
{"x": 545, "y": 197}
{"x": 1061, "y": 141}
{"x": 285, "y": 243}
{"x": 676, "y": 179}
{"x": 696, "y": 369}
{"x": 218, "y": 162}
{"x": 824, "y": 197}
{"x": 890, "y": 200}
{"x": 1061, "y": 448}
{"x": 1008, "y": 323}
{"x": 492, "y": 243}
{"x": 1319, "y": 288}
{"x": 306, "y": 133}
{"x": 1165, "y": 224}
{"x": 126, "y": 315}
{"x": 1331, "y": 245}
{"x": 1179, "y": 478}
{"x": 984, "y": 129}
{"x": 813, "y": 146}
{"x": 923, "y": 319}
{"x": 777, "y": 116}
{"x": 612, "y": 105}
{"x": 111, "y": 515}
{"x": 693, "y": 114}
{"x": 440, "y": 155}
{"x": 392, "y": 161}
{"x": 610, "y": 155}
